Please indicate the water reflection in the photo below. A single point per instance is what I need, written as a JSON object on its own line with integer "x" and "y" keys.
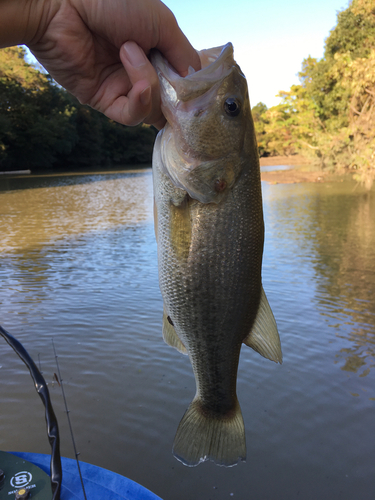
{"x": 42, "y": 180}
{"x": 349, "y": 275}
{"x": 78, "y": 263}
{"x": 332, "y": 227}
{"x": 62, "y": 206}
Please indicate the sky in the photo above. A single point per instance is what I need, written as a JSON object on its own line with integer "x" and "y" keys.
{"x": 271, "y": 38}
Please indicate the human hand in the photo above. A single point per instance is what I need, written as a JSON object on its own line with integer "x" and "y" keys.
{"x": 97, "y": 50}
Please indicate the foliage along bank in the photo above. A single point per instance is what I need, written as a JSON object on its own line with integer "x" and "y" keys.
{"x": 43, "y": 126}
{"x": 330, "y": 116}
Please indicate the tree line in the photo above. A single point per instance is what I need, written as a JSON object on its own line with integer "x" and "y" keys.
{"x": 330, "y": 116}
{"x": 43, "y": 126}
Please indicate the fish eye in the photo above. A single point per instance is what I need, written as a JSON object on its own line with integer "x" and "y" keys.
{"x": 232, "y": 107}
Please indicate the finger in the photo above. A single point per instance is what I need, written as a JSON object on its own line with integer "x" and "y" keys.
{"x": 127, "y": 109}
{"x": 133, "y": 108}
{"x": 143, "y": 103}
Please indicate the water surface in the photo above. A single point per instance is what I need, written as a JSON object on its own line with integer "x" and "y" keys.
{"x": 78, "y": 264}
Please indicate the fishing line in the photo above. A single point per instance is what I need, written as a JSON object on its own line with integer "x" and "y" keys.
{"x": 51, "y": 420}
{"x": 69, "y": 422}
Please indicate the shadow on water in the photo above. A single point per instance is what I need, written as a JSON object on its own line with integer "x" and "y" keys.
{"x": 55, "y": 178}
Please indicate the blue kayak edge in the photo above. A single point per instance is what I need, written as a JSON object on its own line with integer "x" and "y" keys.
{"x": 100, "y": 484}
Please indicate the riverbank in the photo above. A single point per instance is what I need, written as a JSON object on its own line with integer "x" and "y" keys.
{"x": 295, "y": 160}
{"x": 300, "y": 171}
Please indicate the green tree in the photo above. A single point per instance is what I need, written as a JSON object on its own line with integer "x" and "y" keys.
{"x": 41, "y": 125}
{"x": 330, "y": 116}
{"x": 259, "y": 111}
{"x": 34, "y": 123}
{"x": 354, "y": 33}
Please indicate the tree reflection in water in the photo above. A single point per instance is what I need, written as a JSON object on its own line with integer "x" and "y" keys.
{"x": 332, "y": 224}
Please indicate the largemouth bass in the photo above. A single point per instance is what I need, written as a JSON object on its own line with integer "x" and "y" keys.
{"x": 210, "y": 232}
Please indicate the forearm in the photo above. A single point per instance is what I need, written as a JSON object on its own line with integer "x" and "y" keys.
{"x": 24, "y": 21}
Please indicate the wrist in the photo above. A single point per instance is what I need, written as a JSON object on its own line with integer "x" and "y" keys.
{"x": 24, "y": 21}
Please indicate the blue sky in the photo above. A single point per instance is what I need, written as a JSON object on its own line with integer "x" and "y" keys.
{"x": 270, "y": 37}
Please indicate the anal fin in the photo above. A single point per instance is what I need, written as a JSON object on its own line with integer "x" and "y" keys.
{"x": 170, "y": 336}
{"x": 264, "y": 336}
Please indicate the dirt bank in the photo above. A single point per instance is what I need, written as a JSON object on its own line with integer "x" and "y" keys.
{"x": 283, "y": 160}
{"x": 293, "y": 176}
{"x": 300, "y": 172}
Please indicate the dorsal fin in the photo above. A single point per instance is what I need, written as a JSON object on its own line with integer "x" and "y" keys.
{"x": 264, "y": 337}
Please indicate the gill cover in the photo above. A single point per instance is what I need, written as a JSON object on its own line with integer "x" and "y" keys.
{"x": 208, "y": 119}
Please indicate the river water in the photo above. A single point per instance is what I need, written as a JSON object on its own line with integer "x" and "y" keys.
{"x": 78, "y": 265}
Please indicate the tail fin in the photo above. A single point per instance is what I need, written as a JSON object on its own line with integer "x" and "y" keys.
{"x": 201, "y": 437}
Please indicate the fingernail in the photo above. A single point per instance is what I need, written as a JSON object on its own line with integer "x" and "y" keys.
{"x": 135, "y": 54}
{"x": 145, "y": 96}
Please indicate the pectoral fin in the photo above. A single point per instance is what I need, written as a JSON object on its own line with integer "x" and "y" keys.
{"x": 170, "y": 336}
{"x": 180, "y": 224}
{"x": 264, "y": 337}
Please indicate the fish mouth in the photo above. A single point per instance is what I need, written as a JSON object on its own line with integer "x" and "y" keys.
{"x": 217, "y": 63}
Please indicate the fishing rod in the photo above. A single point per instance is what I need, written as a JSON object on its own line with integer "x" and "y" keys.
{"x": 60, "y": 381}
